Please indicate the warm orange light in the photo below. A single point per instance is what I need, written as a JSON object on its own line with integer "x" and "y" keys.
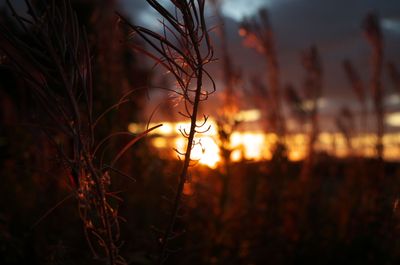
{"x": 242, "y": 32}
{"x": 257, "y": 145}
{"x": 236, "y": 156}
{"x": 187, "y": 189}
{"x": 160, "y": 142}
{"x": 252, "y": 144}
{"x": 206, "y": 151}
{"x": 296, "y": 155}
{"x": 248, "y": 115}
{"x": 393, "y": 119}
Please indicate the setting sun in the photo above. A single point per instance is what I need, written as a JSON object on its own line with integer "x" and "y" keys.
{"x": 206, "y": 151}
{"x": 257, "y": 145}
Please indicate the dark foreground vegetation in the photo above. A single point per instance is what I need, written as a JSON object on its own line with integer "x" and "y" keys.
{"x": 344, "y": 215}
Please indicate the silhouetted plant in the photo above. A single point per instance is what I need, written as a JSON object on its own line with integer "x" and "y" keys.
{"x": 184, "y": 48}
{"x": 345, "y": 124}
{"x": 259, "y": 35}
{"x": 296, "y": 104}
{"x": 227, "y": 123}
{"x": 359, "y": 90}
{"x": 230, "y": 74}
{"x": 50, "y": 52}
{"x": 312, "y": 88}
{"x": 373, "y": 34}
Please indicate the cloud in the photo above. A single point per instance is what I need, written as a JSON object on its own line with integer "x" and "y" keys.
{"x": 238, "y": 9}
{"x": 392, "y": 25}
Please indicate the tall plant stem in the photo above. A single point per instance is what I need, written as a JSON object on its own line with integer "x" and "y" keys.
{"x": 186, "y": 162}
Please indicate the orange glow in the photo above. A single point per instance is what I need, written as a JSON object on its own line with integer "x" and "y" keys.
{"x": 187, "y": 189}
{"x": 206, "y": 151}
{"x": 393, "y": 119}
{"x": 252, "y": 144}
{"x": 257, "y": 145}
{"x": 236, "y": 156}
{"x": 160, "y": 142}
{"x": 296, "y": 155}
{"x": 242, "y": 32}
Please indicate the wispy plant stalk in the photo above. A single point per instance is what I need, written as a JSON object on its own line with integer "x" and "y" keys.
{"x": 313, "y": 89}
{"x": 358, "y": 89}
{"x": 259, "y": 34}
{"x": 374, "y": 36}
{"x": 50, "y": 52}
{"x": 180, "y": 50}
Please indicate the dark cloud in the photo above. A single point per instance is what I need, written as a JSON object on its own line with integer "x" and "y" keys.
{"x": 335, "y": 27}
{"x": 134, "y": 8}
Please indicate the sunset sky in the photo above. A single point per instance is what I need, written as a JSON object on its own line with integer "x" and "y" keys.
{"x": 334, "y": 26}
